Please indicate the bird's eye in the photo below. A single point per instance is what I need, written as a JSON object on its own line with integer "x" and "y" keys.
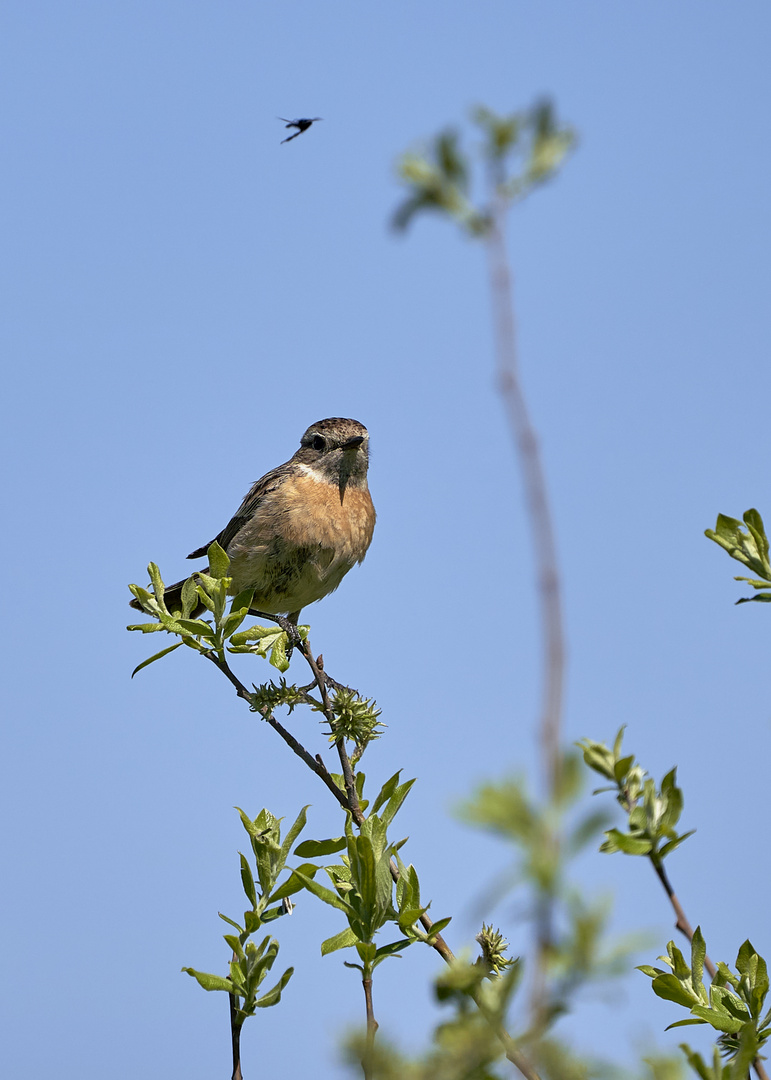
{"x": 319, "y": 442}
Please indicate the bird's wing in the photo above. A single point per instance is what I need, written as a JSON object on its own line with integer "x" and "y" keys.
{"x": 292, "y": 136}
{"x": 246, "y": 511}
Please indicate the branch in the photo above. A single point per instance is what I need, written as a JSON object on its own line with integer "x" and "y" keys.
{"x": 317, "y": 667}
{"x": 235, "y": 1037}
{"x": 372, "y": 1026}
{"x": 545, "y": 550}
{"x": 542, "y": 529}
{"x": 682, "y": 923}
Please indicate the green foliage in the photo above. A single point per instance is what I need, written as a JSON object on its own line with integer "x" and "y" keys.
{"x": 749, "y": 548}
{"x": 211, "y": 591}
{"x": 439, "y": 176}
{"x": 652, "y": 814}
{"x": 733, "y": 1005}
{"x": 464, "y": 1045}
{"x": 571, "y": 930}
{"x": 252, "y": 962}
{"x": 266, "y": 641}
{"x": 363, "y": 883}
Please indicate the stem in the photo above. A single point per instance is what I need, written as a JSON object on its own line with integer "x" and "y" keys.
{"x": 545, "y": 549}
{"x": 512, "y": 1052}
{"x": 235, "y": 1037}
{"x": 510, "y": 387}
{"x": 372, "y": 1026}
{"x": 345, "y": 764}
{"x": 682, "y": 923}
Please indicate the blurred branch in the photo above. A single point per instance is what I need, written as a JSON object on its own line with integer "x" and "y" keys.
{"x": 438, "y": 180}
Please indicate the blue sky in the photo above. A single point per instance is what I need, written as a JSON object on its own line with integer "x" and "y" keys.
{"x": 184, "y": 296}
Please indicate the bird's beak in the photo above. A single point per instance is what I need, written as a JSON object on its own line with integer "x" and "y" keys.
{"x": 353, "y": 443}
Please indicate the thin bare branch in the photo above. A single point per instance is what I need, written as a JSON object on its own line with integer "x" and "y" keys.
{"x": 545, "y": 552}
{"x": 544, "y": 545}
{"x": 372, "y": 1026}
{"x": 235, "y": 1037}
{"x": 682, "y": 923}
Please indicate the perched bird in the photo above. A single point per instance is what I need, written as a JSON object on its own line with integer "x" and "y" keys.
{"x": 302, "y": 125}
{"x": 301, "y": 527}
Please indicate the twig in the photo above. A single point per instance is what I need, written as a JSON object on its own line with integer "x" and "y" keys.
{"x": 545, "y": 550}
{"x": 235, "y": 1037}
{"x": 372, "y": 1026}
{"x": 541, "y": 525}
{"x": 321, "y": 681}
{"x": 512, "y": 1052}
{"x": 682, "y": 923}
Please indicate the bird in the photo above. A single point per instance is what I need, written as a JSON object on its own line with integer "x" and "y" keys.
{"x": 303, "y": 124}
{"x": 301, "y": 527}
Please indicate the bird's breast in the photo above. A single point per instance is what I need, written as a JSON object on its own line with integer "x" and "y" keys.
{"x": 303, "y": 539}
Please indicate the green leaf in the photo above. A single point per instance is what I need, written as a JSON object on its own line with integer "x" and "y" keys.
{"x": 622, "y": 767}
{"x": 312, "y": 849}
{"x": 189, "y": 597}
{"x": 697, "y": 1064}
{"x": 158, "y": 587}
{"x": 325, "y": 894}
{"x": 630, "y": 845}
{"x": 243, "y": 601}
{"x": 718, "y": 1019}
{"x": 386, "y": 791}
{"x": 235, "y": 944}
{"x": 394, "y": 803}
{"x": 344, "y": 940}
{"x": 698, "y": 954}
{"x": 224, "y": 918}
{"x": 248, "y": 882}
{"x": 197, "y": 627}
{"x": 152, "y": 659}
{"x": 232, "y": 622}
{"x": 219, "y": 563}
{"x": 367, "y": 951}
{"x": 147, "y": 627}
{"x": 394, "y": 949}
{"x": 293, "y": 833}
{"x": 598, "y": 758}
{"x": 670, "y": 846}
{"x": 273, "y": 996}
{"x": 438, "y": 926}
{"x": 670, "y": 988}
{"x": 749, "y": 1044}
{"x": 294, "y": 883}
{"x": 278, "y": 654}
{"x": 409, "y": 916}
{"x": 210, "y": 982}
